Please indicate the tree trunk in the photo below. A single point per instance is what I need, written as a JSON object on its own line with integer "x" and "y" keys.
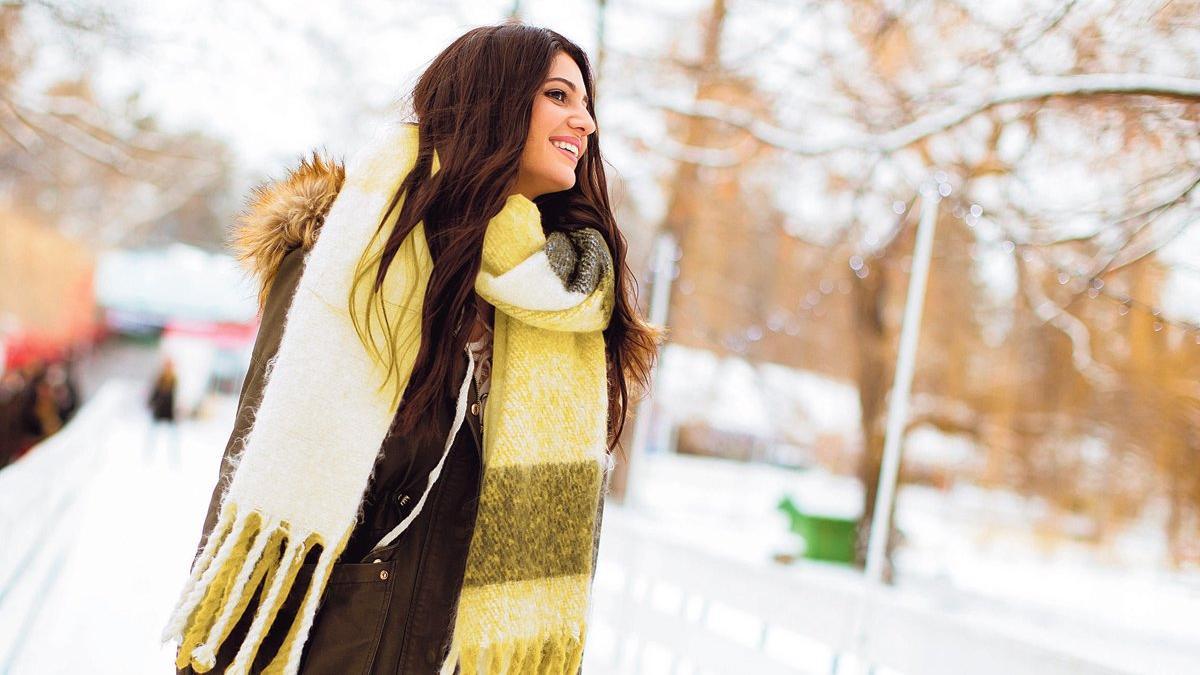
{"x": 875, "y": 370}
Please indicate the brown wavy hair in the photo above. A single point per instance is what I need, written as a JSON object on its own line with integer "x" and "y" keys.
{"x": 473, "y": 104}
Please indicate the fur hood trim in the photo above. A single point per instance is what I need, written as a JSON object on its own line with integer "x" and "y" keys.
{"x": 284, "y": 215}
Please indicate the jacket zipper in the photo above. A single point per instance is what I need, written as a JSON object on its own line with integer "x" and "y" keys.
{"x": 478, "y": 410}
{"x": 477, "y": 407}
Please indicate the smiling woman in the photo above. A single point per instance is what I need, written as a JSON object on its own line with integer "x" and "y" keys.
{"x": 469, "y": 257}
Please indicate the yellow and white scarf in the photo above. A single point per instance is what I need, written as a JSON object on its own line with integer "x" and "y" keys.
{"x": 306, "y": 463}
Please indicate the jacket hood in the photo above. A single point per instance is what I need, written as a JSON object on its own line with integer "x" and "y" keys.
{"x": 283, "y": 215}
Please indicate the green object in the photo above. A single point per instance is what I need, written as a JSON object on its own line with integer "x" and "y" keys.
{"x": 825, "y": 537}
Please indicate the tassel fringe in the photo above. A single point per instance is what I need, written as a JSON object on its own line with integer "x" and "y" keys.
{"x": 288, "y": 660}
{"x": 241, "y": 551}
{"x": 280, "y": 578}
{"x": 563, "y": 653}
{"x": 193, "y": 592}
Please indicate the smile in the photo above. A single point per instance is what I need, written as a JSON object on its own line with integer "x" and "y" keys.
{"x": 569, "y": 147}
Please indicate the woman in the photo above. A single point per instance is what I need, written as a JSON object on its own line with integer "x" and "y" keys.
{"x": 162, "y": 394}
{"x": 468, "y": 270}
{"x": 162, "y": 413}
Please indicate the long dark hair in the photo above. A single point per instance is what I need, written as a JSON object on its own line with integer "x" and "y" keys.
{"x": 474, "y": 104}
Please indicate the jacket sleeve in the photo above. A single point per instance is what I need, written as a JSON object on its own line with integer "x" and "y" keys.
{"x": 270, "y": 331}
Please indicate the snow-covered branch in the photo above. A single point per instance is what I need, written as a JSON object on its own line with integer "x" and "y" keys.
{"x": 717, "y": 158}
{"x": 1072, "y": 86}
{"x": 100, "y": 150}
{"x": 1034, "y": 89}
{"x": 1051, "y": 313}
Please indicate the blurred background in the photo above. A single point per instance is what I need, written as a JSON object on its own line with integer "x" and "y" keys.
{"x": 772, "y": 164}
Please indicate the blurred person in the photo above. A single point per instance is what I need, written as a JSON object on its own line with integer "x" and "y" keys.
{"x": 39, "y": 416}
{"x": 162, "y": 413}
{"x": 162, "y": 393}
{"x": 12, "y": 388}
{"x": 468, "y": 271}
{"x": 62, "y": 384}
{"x": 46, "y": 418}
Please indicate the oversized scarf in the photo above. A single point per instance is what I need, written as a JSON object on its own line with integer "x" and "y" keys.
{"x": 309, "y": 454}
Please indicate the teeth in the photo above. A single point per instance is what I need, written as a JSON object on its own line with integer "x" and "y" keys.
{"x": 566, "y": 146}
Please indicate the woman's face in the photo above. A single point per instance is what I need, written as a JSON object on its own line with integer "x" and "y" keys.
{"x": 560, "y": 123}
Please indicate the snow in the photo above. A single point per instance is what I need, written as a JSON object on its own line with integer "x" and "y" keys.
{"x": 971, "y": 550}
{"x": 732, "y": 394}
{"x": 100, "y": 528}
{"x": 100, "y": 532}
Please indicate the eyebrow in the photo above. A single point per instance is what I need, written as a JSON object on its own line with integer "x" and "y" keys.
{"x": 570, "y": 84}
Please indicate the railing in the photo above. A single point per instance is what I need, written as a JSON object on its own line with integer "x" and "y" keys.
{"x": 665, "y": 608}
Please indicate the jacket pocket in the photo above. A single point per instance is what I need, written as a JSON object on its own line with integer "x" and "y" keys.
{"x": 349, "y": 623}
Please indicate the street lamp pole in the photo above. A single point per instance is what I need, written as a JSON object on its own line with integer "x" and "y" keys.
{"x": 897, "y": 416}
{"x": 660, "y": 298}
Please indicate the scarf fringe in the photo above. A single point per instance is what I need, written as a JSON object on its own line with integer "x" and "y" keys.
{"x": 561, "y": 652}
{"x": 242, "y": 549}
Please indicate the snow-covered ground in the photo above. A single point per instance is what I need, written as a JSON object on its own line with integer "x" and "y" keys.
{"x": 968, "y": 554}
{"x": 97, "y": 529}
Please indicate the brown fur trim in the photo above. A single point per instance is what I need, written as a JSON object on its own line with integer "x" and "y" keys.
{"x": 284, "y": 215}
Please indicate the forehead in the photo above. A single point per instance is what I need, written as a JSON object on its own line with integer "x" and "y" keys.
{"x": 564, "y": 66}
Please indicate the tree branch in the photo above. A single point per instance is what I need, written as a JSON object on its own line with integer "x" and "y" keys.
{"x": 1034, "y": 89}
{"x": 1100, "y": 375}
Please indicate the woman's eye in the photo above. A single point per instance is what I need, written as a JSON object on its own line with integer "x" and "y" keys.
{"x": 556, "y": 93}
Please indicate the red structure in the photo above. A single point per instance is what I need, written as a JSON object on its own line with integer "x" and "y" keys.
{"x": 47, "y": 299}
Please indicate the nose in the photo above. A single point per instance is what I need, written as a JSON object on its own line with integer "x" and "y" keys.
{"x": 582, "y": 121}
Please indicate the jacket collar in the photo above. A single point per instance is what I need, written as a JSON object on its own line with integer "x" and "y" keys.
{"x": 284, "y": 215}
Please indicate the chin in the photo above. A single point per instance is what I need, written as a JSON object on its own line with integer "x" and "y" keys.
{"x": 565, "y": 181}
{"x": 559, "y": 184}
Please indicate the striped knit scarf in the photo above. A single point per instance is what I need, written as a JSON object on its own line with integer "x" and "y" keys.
{"x": 304, "y": 467}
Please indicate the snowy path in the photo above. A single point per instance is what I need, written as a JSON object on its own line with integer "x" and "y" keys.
{"x": 95, "y": 548}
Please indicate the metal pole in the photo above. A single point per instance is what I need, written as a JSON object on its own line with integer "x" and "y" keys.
{"x": 660, "y": 298}
{"x": 601, "y": 52}
{"x": 897, "y": 416}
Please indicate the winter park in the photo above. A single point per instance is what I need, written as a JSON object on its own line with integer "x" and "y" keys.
{"x": 869, "y": 345}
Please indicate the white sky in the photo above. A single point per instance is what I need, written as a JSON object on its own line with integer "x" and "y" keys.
{"x": 266, "y": 77}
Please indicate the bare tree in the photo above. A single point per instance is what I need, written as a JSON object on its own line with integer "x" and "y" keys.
{"x": 1071, "y": 149}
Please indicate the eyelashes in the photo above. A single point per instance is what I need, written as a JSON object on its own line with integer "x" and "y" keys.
{"x": 559, "y": 92}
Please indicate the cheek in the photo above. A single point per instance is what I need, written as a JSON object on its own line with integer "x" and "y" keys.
{"x": 541, "y": 123}
{"x": 546, "y": 115}
{"x": 537, "y": 159}
{"x": 534, "y": 155}
{"x": 540, "y": 158}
